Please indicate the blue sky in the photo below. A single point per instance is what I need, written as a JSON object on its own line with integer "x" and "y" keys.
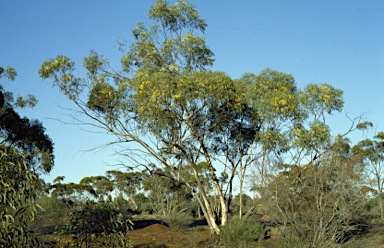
{"x": 336, "y": 42}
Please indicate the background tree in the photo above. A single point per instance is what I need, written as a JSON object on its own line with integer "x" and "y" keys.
{"x": 100, "y": 184}
{"x": 167, "y": 196}
{"x": 127, "y": 184}
{"x": 372, "y": 152}
{"x": 28, "y": 136}
{"x": 23, "y": 148}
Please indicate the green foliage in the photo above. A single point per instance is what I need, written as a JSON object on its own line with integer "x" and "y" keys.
{"x": 17, "y": 199}
{"x": 146, "y": 208}
{"x": 178, "y": 220}
{"x": 22, "y": 133}
{"x": 55, "y": 213}
{"x": 234, "y": 207}
{"x": 102, "y": 185}
{"x": 28, "y": 136}
{"x": 290, "y": 241}
{"x": 124, "y": 206}
{"x": 97, "y": 225}
{"x": 61, "y": 70}
{"x": 9, "y": 73}
{"x": 242, "y": 233}
{"x": 49, "y": 202}
{"x": 70, "y": 192}
{"x": 371, "y": 152}
{"x": 364, "y": 125}
{"x": 127, "y": 184}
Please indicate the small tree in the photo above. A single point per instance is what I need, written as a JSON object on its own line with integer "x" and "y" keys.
{"x": 322, "y": 202}
{"x": 24, "y": 147}
{"x": 17, "y": 199}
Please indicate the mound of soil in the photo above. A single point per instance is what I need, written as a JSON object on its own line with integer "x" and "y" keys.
{"x": 155, "y": 228}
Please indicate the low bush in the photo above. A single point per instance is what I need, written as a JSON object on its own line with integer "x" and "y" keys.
{"x": 55, "y": 213}
{"x": 51, "y": 204}
{"x": 178, "y": 220}
{"x": 146, "y": 208}
{"x": 96, "y": 225}
{"x": 242, "y": 233}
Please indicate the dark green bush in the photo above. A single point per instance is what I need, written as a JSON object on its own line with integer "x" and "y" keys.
{"x": 242, "y": 233}
{"x": 97, "y": 225}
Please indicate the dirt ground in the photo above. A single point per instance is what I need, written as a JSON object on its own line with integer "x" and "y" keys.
{"x": 155, "y": 233}
{"x": 158, "y": 235}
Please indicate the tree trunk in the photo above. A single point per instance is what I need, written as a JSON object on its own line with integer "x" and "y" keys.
{"x": 209, "y": 217}
{"x": 206, "y": 207}
{"x": 381, "y": 206}
{"x": 230, "y": 196}
{"x": 224, "y": 211}
{"x": 241, "y": 198}
{"x": 380, "y": 189}
{"x": 250, "y": 211}
{"x": 198, "y": 211}
{"x": 133, "y": 201}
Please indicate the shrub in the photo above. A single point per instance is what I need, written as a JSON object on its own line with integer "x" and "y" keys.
{"x": 146, "y": 208}
{"x": 124, "y": 206}
{"x": 242, "y": 233}
{"x": 178, "y": 220}
{"x": 17, "y": 199}
{"x": 97, "y": 225}
{"x": 52, "y": 204}
{"x": 190, "y": 207}
{"x": 54, "y": 214}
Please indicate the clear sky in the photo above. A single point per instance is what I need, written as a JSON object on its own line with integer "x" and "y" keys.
{"x": 336, "y": 42}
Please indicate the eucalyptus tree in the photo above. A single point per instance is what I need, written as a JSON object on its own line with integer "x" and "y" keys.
{"x": 26, "y": 135}
{"x": 127, "y": 183}
{"x": 17, "y": 180}
{"x": 372, "y": 152}
{"x": 165, "y": 100}
{"x": 24, "y": 147}
{"x": 101, "y": 185}
{"x": 162, "y": 82}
